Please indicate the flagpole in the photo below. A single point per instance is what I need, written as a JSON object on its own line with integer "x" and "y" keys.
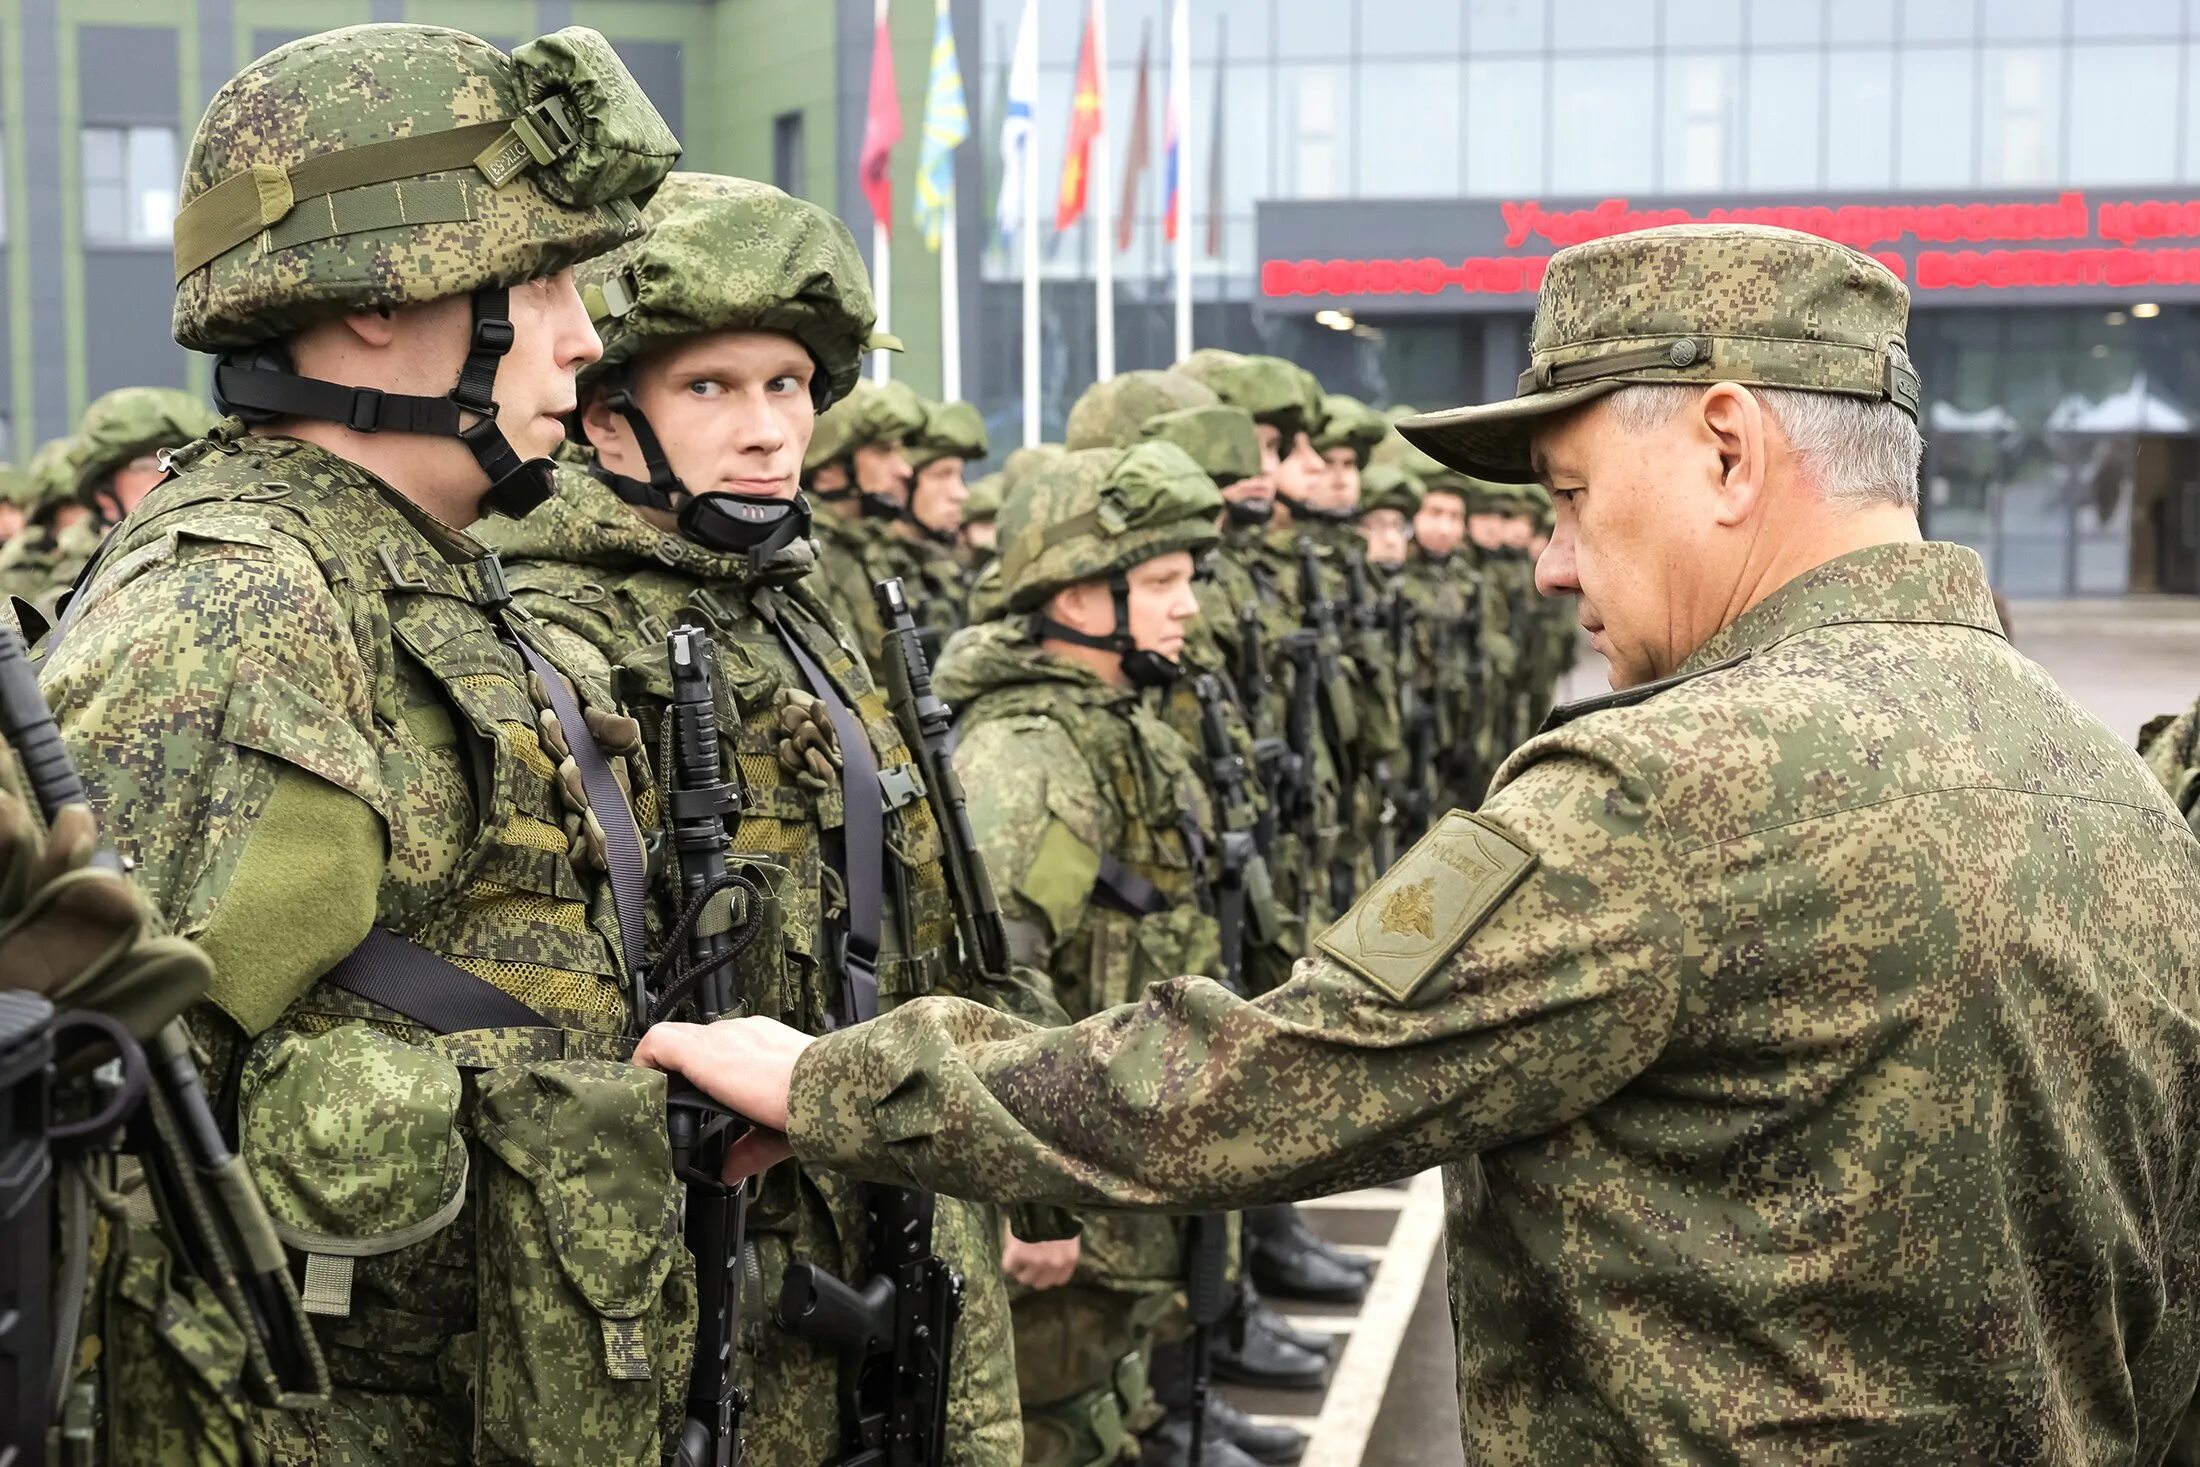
{"x": 882, "y": 248}
{"x": 951, "y": 358}
{"x": 1180, "y": 87}
{"x": 1101, "y": 224}
{"x": 1028, "y": 234}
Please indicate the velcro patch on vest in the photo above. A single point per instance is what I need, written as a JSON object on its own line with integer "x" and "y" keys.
{"x": 1417, "y": 915}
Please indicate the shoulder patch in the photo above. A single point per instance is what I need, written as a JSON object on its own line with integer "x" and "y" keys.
{"x": 1416, "y": 916}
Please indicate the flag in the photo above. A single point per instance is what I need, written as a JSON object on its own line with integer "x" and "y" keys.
{"x": 1172, "y": 128}
{"x": 881, "y": 128}
{"x": 1136, "y": 156}
{"x": 946, "y": 126}
{"x": 1023, "y": 93}
{"x": 1084, "y": 126}
{"x": 1214, "y": 157}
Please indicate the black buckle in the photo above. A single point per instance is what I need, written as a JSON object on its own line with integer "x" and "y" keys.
{"x": 493, "y": 335}
{"x": 483, "y": 407}
{"x": 366, "y": 410}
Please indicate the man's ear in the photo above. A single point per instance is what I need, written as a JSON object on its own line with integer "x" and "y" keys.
{"x": 1072, "y": 606}
{"x": 1734, "y": 422}
{"x": 373, "y": 328}
{"x": 603, "y": 426}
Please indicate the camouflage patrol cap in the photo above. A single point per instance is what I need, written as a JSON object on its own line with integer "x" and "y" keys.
{"x": 1273, "y": 390}
{"x": 386, "y": 164}
{"x": 731, "y": 254}
{"x": 1387, "y": 486}
{"x": 872, "y": 412}
{"x": 52, "y": 472}
{"x": 129, "y": 421}
{"x": 984, "y": 502}
{"x": 1350, "y": 423}
{"x": 949, "y": 430}
{"x": 1701, "y": 303}
{"x": 1109, "y": 414}
{"x": 1220, "y": 439}
{"x": 1096, "y": 511}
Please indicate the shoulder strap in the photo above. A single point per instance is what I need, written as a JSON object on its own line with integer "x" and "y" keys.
{"x": 401, "y": 975}
{"x": 1124, "y": 890}
{"x": 1566, "y": 713}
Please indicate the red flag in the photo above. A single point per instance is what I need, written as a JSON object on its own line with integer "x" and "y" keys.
{"x": 881, "y": 129}
{"x": 1135, "y": 158}
{"x": 1084, "y": 126}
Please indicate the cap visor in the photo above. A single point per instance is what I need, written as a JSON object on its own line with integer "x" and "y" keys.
{"x": 1491, "y": 441}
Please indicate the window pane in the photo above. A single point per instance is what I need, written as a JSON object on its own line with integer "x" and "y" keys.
{"x": 1937, "y": 118}
{"x": 1602, "y": 25}
{"x": 1505, "y": 127}
{"x": 2192, "y": 113}
{"x": 2021, "y": 118}
{"x": 2125, "y": 18}
{"x": 1786, "y": 115}
{"x": 2025, "y": 20}
{"x": 1246, "y": 23}
{"x": 102, "y": 155}
{"x": 1409, "y": 128}
{"x": 1600, "y": 137}
{"x": 1409, "y": 27}
{"x": 1247, "y": 135}
{"x": 1505, "y": 25}
{"x": 1786, "y": 22}
{"x": 1309, "y": 28}
{"x": 1860, "y": 92}
{"x": 152, "y": 184}
{"x": 1861, "y": 20}
{"x": 105, "y": 214}
{"x": 1713, "y": 23}
{"x": 2116, "y": 127}
{"x": 1700, "y": 108}
{"x": 1316, "y": 149}
{"x": 1938, "y": 20}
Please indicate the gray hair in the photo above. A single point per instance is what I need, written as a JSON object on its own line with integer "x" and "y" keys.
{"x": 1856, "y": 451}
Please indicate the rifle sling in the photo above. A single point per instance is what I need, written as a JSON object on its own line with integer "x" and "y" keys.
{"x": 862, "y": 853}
{"x": 1121, "y": 889}
{"x": 427, "y": 988}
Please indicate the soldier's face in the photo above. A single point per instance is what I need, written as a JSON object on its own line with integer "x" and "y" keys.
{"x": 11, "y": 521}
{"x": 1387, "y": 535}
{"x": 731, "y": 408}
{"x": 882, "y": 469}
{"x": 1486, "y": 530}
{"x": 1518, "y": 531}
{"x": 1343, "y": 466}
{"x": 1162, "y": 602}
{"x": 1300, "y": 472}
{"x": 551, "y": 341}
{"x": 980, "y": 534}
{"x": 1440, "y": 524}
{"x": 126, "y": 489}
{"x": 940, "y": 492}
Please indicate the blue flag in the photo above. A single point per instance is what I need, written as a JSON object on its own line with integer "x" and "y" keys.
{"x": 946, "y": 125}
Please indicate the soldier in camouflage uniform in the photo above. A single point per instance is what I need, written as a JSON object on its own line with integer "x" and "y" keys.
{"x": 1389, "y": 498}
{"x": 986, "y": 597}
{"x": 923, "y": 539}
{"x": 1349, "y": 432}
{"x": 1441, "y": 582}
{"x": 15, "y": 498}
{"x": 857, "y": 475}
{"x": 712, "y": 322}
{"x": 1808, "y": 1027}
{"x": 306, "y": 712}
{"x": 53, "y": 515}
{"x": 1498, "y": 541}
{"x": 1094, "y": 818}
{"x": 974, "y": 539}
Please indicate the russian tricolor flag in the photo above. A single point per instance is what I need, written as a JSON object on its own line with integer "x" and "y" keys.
{"x": 1180, "y": 103}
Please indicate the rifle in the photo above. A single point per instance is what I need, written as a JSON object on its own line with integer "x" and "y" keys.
{"x": 925, "y": 723}
{"x": 1416, "y": 720}
{"x": 896, "y": 1334}
{"x": 1271, "y": 756}
{"x": 715, "y": 926}
{"x": 1319, "y": 622}
{"x": 201, "y": 1190}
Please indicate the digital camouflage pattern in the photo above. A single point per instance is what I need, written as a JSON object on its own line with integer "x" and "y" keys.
{"x": 1387, "y": 486}
{"x": 872, "y": 412}
{"x": 1691, "y": 1057}
{"x": 48, "y": 481}
{"x": 1704, "y": 303}
{"x": 1110, "y": 414}
{"x": 950, "y": 430}
{"x": 569, "y": 149}
{"x": 296, "y": 714}
{"x": 1097, "y": 511}
{"x": 731, "y": 254}
{"x": 589, "y": 567}
{"x": 1223, "y": 441}
{"x": 1063, "y": 771}
{"x": 131, "y": 421}
{"x": 2171, "y": 746}
{"x": 1350, "y": 423}
{"x": 1270, "y": 388}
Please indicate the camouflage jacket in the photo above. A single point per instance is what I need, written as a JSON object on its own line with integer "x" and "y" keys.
{"x": 847, "y": 552}
{"x": 1809, "y": 1038}
{"x": 1086, "y": 806}
{"x": 2171, "y": 746}
{"x": 72, "y": 551}
{"x": 299, "y": 711}
{"x": 937, "y": 585}
{"x": 26, "y": 563}
{"x": 589, "y": 566}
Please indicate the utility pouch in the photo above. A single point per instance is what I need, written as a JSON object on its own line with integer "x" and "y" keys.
{"x": 586, "y": 1298}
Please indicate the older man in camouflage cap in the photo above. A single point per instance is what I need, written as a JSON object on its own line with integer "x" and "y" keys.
{"x": 1807, "y": 1026}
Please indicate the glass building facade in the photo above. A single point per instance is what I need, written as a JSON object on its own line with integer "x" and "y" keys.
{"x": 2062, "y": 432}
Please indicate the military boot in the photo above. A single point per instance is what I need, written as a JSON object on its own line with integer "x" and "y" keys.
{"x": 1286, "y": 1260}
{"x": 1170, "y": 1445}
{"x": 1254, "y": 1347}
{"x": 1170, "y": 1369}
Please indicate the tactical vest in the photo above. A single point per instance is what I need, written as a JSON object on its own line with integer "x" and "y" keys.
{"x": 490, "y": 1212}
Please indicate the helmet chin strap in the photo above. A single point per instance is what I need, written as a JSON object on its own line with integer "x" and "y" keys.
{"x": 755, "y": 525}
{"x": 1144, "y": 668}
{"x": 1249, "y": 511}
{"x": 262, "y": 387}
{"x": 1301, "y": 510}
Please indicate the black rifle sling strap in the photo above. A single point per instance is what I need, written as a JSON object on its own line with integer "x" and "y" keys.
{"x": 401, "y": 975}
{"x": 622, "y": 837}
{"x": 863, "y": 827}
{"x": 1120, "y": 889}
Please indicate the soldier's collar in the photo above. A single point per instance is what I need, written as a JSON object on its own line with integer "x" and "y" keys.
{"x": 1929, "y": 583}
{"x": 1566, "y": 713}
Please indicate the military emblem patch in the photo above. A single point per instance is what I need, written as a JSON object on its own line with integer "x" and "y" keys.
{"x": 1424, "y": 907}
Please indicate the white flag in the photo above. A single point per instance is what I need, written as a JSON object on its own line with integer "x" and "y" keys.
{"x": 1016, "y": 128}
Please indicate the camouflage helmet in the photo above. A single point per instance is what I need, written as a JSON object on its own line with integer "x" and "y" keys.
{"x": 1220, "y": 439}
{"x": 950, "y": 430}
{"x": 1350, "y": 423}
{"x": 1273, "y": 390}
{"x": 1095, "y": 512}
{"x": 984, "y": 503}
{"x": 381, "y": 165}
{"x": 1388, "y": 486}
{"x": 1025, "y": 462}
{"x": 872, "y": 412}
{"x": 52, "y": 473}
{"x": 720, "y": 254}
{"x": 1109, "y": 414}
{"x": 130, "y": 421}
{"x": 15, "y": 487}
